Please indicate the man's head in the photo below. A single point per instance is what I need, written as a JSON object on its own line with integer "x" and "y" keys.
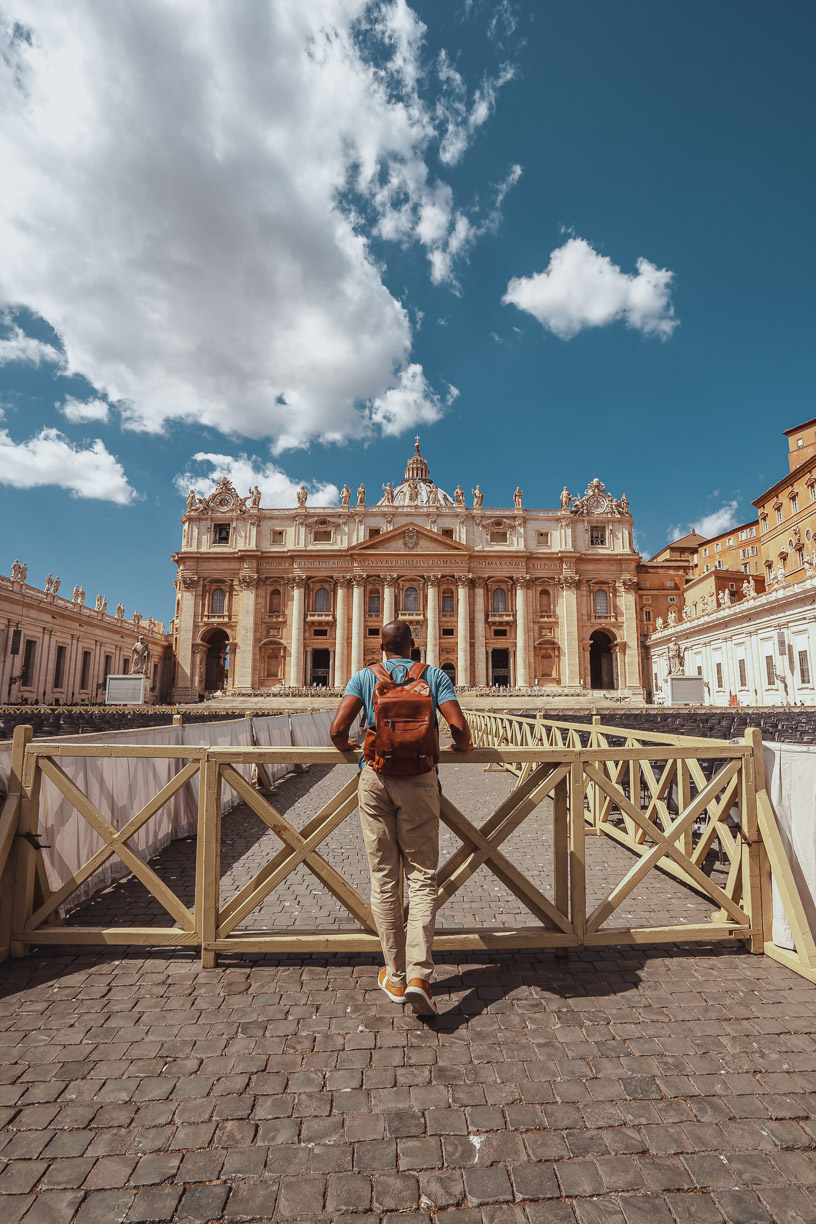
{"x": 397, "y": 639}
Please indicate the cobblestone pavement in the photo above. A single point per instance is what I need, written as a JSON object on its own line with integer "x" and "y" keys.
{"x": 615, "y": 1086}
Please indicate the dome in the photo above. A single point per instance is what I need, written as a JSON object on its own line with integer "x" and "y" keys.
{"x": 417, "y": 488}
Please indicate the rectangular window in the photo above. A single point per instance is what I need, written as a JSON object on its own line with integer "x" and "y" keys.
{"x": 813, "y": 492}
{"x": 753, "y": 550}
{"x": 597, "y": 537}
{"x": 278, "y": 537}
{"x": 325, "y": 632}
{"x": 705, "y": 552}
{"x": 647, "y": 599}
{"x": 543, "y": 539}
{"x": 221, "y": 533}
{"x": 794, "y": 501}
{"x": 447, "y": 532}
{"x": 719, "y": 670}
{"x": 746, "y": 568}
{"x": 498, "y": 537}
{"x": 447, "y": 632}
{"x": 671, "y": 599}
{"x": 373, "y": 532}
{"x": 647, "y": 615}
{"x": 59, "y": 667}
{"x": 644, "y": 582}
{"x": 447, "y": 601}
{"x": 779, "y": 514}
{"x": 743, "y": 675}
{"x": 500, "y": 633}
{"x": 86, "y": 669}
{"x": 374, "y": 603}
{"x": 770, "y": 673}
{"x": 669, "y": 582}
{"x": 29, "y": 655}
{"x": 804, "y": 667}
{"x": 323, "y": 535}
{"x": 372, "y": 632}
{"x": 718, "y": 546}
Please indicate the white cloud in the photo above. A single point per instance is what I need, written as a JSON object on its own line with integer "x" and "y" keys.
{"x": 277, "y": 489}
{"x": 460, "y": 116}
{"x": 411, "y": 401}
{"x": 212, "y": 264}
{"x": 581, "y": 288}
{"x": 20, "y": 347}
{"x": 708, "y": 525}
{"x": 49, "y": 458}
{"x": 78, "y": 411}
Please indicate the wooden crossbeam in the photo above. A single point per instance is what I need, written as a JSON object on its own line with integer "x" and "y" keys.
{"x": 152, "y": 882}
{"x": 343, "y": 892}
{"x": 664, "y": 845}
{"x": 286, "y": 860}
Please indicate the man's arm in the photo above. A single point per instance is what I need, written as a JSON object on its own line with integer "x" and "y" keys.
{"x": 347, "y": 711}
{"x": 451, "y": 711}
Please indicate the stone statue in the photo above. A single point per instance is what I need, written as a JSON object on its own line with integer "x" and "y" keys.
{"x": 780, "y": 575}
{"x": 49, "y": 578}
{"x": 140, "y": 658}
{"x": 433, "y": 496}
{"x": 459, "y": 495}
{"x": 98, "y": 604}
{"x": 675, "y": 658}
{"x": 686, "y": 613}
{"x": 704, "y": 604}
{"x": 624, "y": 504}
{"x": 302, "y": 495}
{"x": 255, "y": 497}
{"x": 162, "y": 628}
{"x": 659, "y": 623}
{"x": 120, "y": 611}
{"x": 15, "y": 571}
{"x": 56, "y": 585}
{"x": 721, "y": 599}
{"x": 345, "y": 495}
{"x": 478, "y": 497}
{"x": 565, "y": 498}
{"x": 412, "y": 493}
{"x": 24, "y": 571}
{"x": 361, "y": 495}
{"x": 191, "y": 500}
{"x": 104, "y": 607}
{"x": 137, "y": 619}
{"x": 517, "y": 498}
{"x": 388, "y": 494}
{"x": 809, "y": 570}
{"x": 81, "y": 596}
{"x": 75, "y": 593}
{"x": 672, "y": 618}
{"x": 151, "y": 624}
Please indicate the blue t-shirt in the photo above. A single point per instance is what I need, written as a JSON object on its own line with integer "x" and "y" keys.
{"x": 362, "y": 684}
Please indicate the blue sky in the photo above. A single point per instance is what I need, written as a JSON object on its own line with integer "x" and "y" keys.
{"x": 557, "y": 240}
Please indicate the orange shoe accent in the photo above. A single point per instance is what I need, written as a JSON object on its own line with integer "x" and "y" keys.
{"x": 418, "y": 994}
{"x": 395, "y": 993}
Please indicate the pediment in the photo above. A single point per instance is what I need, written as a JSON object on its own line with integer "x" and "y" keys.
{"x": 410, "y": 538}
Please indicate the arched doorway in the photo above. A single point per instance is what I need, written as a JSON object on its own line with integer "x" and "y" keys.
{"x": 321, "y": 665}
{"x": 216, "y": 663}
{"x": 450, "y": 672}
{"x": 601, "y": 662}
{"x": 500, "y": 667}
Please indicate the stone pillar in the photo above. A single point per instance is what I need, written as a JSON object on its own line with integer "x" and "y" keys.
{"x": 630, "y": 672}
{"x": 185, "y": 677}
{"x": 479, "y": 647}
{"x": 247, "y": 584}
{"x": 569, "y": 584}
{"x": 432, "y": 640}
{"x": 296, "y": 585}
{"x": 389, "y": 597}
{"x": 341, "y": 669}
{"x": 463, "y": 632}
{"x": 357, "y": 622}
{"x": 522, "y": 633}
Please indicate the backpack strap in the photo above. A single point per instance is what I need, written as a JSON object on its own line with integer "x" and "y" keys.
{"x": 379, "y": 671}
{"x": 417, "y": 671}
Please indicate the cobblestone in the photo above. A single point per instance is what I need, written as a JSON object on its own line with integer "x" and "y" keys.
{"x": 674, "y": 1085}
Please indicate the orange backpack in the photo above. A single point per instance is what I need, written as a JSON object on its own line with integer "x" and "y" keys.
{"x": 404, "y": 740}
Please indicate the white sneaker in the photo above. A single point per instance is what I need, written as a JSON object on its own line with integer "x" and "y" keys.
{"x": 418, "y": 994}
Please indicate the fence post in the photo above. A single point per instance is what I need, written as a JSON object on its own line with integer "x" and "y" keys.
{"x": 178, "y": 721}
{"x": 9, "y": 828}
{"x": 577, "y": 847}
{"x": 25, "y": 869}
{"x": 208, "y": 860}
{"x": 756, "y": 873}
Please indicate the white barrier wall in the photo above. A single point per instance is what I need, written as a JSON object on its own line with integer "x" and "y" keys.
{"x": 790, "y": 772}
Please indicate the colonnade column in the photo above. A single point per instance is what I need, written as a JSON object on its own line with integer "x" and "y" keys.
{"x": 522, "y": 633}
{"x": 184, "y": 666}
{"x": 479, "y": 646}
{"x": 463, "y": 631}
{"x": 341, "y": 672}
{"x": 295, "y": 677}
{"x": 632, "y": 679}
{"x": 389, "y": 594}
{"x": 432, "y": 640}
{"x": 569, "y": 584}
{"x": 246, "y": 630}
{"x": 357, "y": 621}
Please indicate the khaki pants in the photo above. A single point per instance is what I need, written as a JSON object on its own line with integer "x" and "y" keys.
{"x": 400, "y": 817}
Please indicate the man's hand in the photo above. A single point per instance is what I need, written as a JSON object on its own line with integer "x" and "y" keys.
{"x": 347, "y": 711}
{"x": 451, "y": 711}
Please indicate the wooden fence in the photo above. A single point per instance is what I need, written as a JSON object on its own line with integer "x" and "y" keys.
{"x": 669, "y": 800}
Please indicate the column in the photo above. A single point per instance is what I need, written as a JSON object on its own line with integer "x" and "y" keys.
{"x": 463, "y": 632}
{"x": 357, "y": 621}
{"x": 569, "y": 584}
{"x": 479, "y": 646}
{"x": 247, "y": 584}
{"x": 432, "y": 640}
{"x": 40, "y": 679}
{"x": 185, "y": 677}
{"x": 295, "y": 676}
{"x": 522, "y": 633}
{"x": 389, "y": 593}
{"x": 630, "y": 677}
{"x": 341, "y": 670}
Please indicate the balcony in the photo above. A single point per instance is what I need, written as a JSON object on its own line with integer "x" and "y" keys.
{"x": 319, "y": 618}
{"x": 501, "y": 618}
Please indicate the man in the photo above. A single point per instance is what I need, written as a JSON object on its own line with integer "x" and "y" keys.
{"x": 400, "y": 821}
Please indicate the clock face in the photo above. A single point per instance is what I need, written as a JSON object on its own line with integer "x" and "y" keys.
{"x": 596, "y": 503}
{"x": 222, "y": 502}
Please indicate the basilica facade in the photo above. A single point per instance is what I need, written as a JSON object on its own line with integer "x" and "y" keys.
{"x": 506, "y": 596}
